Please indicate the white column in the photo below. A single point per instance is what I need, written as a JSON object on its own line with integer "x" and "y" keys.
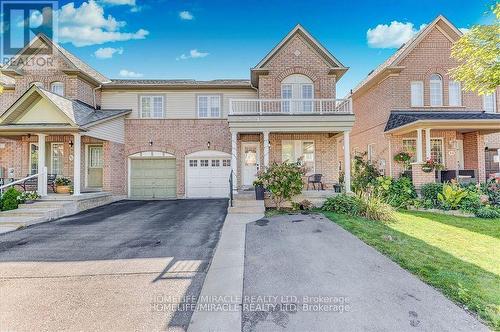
{"x": 266, "y": 148}
{"x": 234, "y": 159}
{"x": 77, "y": 150}
{"x": 42, "y": 175}
{"x": 427, "y": 143}
{"x": 347, "y": 162}
{"x": 419, "y": 146}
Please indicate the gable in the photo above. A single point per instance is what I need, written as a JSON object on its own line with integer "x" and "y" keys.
{"x": 42, "y": 111}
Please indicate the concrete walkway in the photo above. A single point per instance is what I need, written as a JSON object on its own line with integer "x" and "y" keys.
{"x": 224, "y": 280}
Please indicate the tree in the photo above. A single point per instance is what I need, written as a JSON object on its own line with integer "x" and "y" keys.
{"x": 478, "y": 51}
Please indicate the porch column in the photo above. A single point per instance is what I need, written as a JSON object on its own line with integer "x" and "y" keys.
{"x": 77, "y": 150}
{"x": 266, "y": 148}
{"x": 419, "y": 146}
{"x": 347, "y": 162}
{"x": 42, "y": 175}
{"x": 427, "y": 143}
{"x": 234, "y": 159}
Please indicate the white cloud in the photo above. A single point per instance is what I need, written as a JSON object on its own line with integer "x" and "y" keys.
{"x": 88, "y": 25}
{"x": 133, "y": 5}
{"x": 129, "y": 74}
{"x": 193, "y": 54}
{"x": 107, "y": 52}
{"x": 392, "y": 35}
{"x": 186, "y": 15}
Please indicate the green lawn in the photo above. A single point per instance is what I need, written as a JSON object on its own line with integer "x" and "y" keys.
{"x": 459, "y": 256}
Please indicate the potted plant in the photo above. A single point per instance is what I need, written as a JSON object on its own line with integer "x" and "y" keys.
{"x": 403, "y": 158}
{"x": 63, "y": 185}
{"x": 259, "y": 189}
{"x": 430, "y": 165}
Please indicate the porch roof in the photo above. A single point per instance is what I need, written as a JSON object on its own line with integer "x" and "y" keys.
{"x": 456, "y": 119}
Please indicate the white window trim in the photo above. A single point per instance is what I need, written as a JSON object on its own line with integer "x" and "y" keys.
{"x": 421, "y": 83}
{"x": 60, "y": 84}
{"x": 209, "y": 106}
{"x": 442, "y": 147}
{"x": 152, "y": 107}
{"x": 459, "y": 93}
{"x": 30, "y": 157}
{"x": 494, "y": 96}
{"x": 298, "y": 150}
{"x": 52, "y": 157}
{"x": 441, "y": 91}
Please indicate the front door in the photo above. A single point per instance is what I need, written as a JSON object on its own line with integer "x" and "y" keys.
{"x": 460, "y": 154}
{"x": 94, "y": 166}
{"x": 250, "y": 164}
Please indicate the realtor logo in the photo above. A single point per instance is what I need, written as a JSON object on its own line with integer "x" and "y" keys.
{"x": 22, "y": 20}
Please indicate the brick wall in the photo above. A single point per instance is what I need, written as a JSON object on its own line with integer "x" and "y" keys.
{"x": 419, "y": 177}
{"x": 177, "y": 137}
{"x": 115, "y": 168}
{"x": 297, "y": 57}
{"x": 474, "y": 158}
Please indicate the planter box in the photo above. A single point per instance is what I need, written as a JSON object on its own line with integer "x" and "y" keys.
{"x": 63, "y": 189}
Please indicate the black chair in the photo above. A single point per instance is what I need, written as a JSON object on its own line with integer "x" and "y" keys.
{"x": 33, "y": 182}
{"x": 315, "y": 179}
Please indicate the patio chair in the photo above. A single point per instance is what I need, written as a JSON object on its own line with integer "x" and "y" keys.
{"x": 315, "y": 179}
{"x": 30, "y": 183}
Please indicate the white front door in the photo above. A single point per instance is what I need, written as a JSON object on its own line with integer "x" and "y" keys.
{"x": 250, "y": 163}
{"x": 460, "y": 154}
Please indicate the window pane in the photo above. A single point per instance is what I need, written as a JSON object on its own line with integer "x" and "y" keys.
{"x": 57, "y": 158}
{"x": 193, "y": 163}
{"x": 287, "y": 152}
{"x": 57, "y": 88}
{"x": 146, "y": 107}
{"x": 203, "y": 106}
{"x": 437, "y": 150}
{"x": 436, "y": 90}
{"x": 158, "y": 107}
{"x": 308, "y": 155}
{"x": 286, "y": 91}
{"x": 96, "y": 157}
{"x": 215, "y": 163}
{"x": 417, "y": 94}
{"x": 455, "y": 93}
{"x": 410, "y": 146}
{"x": 214, "y": 106}
{"x": 33, "y": 159}
{"x": 489, "y": 103}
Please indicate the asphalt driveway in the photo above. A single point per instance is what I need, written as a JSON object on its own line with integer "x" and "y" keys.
{"x": 130, "y": 265}
{"x": 305, "y": 273}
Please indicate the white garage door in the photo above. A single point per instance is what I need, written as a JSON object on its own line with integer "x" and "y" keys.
{"x": 208, "y": 176}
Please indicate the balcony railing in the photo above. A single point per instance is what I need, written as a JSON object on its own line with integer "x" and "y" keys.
{"x": 289, "y": 106}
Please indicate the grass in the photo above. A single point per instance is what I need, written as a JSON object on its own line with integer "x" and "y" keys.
{"x": 459, "y": 256}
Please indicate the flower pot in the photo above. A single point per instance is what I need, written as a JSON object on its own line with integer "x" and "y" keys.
{"x": 259, "y": 192}
{"x": 427, "y": 169}
{"x": 63, "y": 189}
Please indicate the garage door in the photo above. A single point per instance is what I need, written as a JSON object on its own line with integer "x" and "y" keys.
{"x": 152, "y": 178}
{"x": 208, "y": 177}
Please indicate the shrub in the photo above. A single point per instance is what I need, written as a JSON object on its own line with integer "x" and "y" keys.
{"x": 430, "y": 191}
{"x": 344, "y": 204}
{"x": 451, "y": 196}
{"x": 365, "y": 174}
{"x": 492, "y": 190}
{"x": 471, "y": 202}
{"x": 283, "y": 181}
{"x": 401, "y": 193}
{"x": 488, "y": 212}
{"x": 10, "y": 199}
{"x": 372, "y": 207}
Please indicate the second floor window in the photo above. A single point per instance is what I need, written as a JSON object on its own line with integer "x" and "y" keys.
{"x": 454, "y": 93}
{"x": 436, "y": 90}
{"x": 209, "y": 107}
{"x": 152, "y": 107}
{"x": 57, "y": 88}
{"x": 417, "y": 94}
{"x": 489, "y": 103}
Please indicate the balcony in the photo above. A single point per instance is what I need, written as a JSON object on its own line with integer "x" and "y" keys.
{"x": 290, "y": 115}
{"x": 289, "y": 106}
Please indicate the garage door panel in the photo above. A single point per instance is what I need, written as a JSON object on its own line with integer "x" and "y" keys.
{"x": 153, "y": 178}
{"x": 207, "y": 181}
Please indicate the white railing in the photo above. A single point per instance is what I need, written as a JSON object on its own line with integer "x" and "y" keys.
{"x": 289, "y": 106}
{"x": 13, "y": 183}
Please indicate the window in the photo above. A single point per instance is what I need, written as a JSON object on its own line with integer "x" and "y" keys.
{"x": 489, "y": 103}
{"x": 33, "y": 158}
{"x": 454, "y": 93}
{"x": 226, "y": 162}
{"x": 57, "y": 158}
{"x": 371, "y": 152}
{"x": 437, "y": 150}
{"x": 152, "y": 107}
{"x": 95, "y": 157}
{"x": 286, "y": 93}
{"x": 302, "y": 151}
{"x": 410, "y": 146}
{"x": 417, "y": 94}
{"x": 204, "y": 163}
{"x": 193, "y": 163}
{"x": 298, "y": 87}
{"x": 57, "y": 88}
{"x": 436, "y": 90}
{"x": 209, "y": 106}
{"x": 215, "y": 162}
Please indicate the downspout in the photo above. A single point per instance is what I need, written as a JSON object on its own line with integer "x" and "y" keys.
{"x": 95, "y": 99}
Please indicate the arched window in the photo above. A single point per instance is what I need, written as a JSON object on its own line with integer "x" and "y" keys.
{"x": 436, "y": 90}
{"x": 57, "y": 88}
{"x": 299, "y": 87}
{"x": 38, "y": 84}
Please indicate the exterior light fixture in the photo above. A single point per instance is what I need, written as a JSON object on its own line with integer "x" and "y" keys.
{"x": 150, "y": 142}
{"x": 71, "y": 143}
{"x": 208, "y": 145}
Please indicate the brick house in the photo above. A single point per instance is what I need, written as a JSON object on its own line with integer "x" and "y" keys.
{"x": 172, "y": 138}
{"x": 409, "y": 103}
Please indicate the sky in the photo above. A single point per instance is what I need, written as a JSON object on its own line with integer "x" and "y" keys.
{"x": 169, "y": 39}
